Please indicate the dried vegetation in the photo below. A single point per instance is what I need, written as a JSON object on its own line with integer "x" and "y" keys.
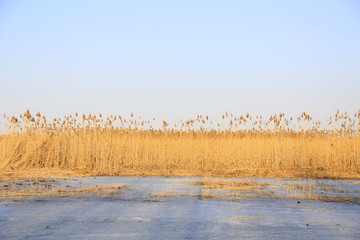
{"x": 236, "y": 146}
{"x": 331, "y": 191}
{"x": 42, "y": 188}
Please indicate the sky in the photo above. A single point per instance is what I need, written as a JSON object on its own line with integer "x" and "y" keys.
{"x": 176, "y": 59}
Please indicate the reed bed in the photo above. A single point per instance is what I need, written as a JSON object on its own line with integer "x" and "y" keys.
{"x": 235, "y": 146}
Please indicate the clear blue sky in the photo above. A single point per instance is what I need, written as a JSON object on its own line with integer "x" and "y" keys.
{"x": 177, "y": 59}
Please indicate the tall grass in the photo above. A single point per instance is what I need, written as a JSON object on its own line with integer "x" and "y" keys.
{"x": 245, "y": 145}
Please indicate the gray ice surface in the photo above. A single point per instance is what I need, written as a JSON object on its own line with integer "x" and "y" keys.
{"x": 134, "y": 214}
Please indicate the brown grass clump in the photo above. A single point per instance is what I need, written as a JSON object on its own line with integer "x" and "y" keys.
{"x": 320, "y": 191}
{"x": 296, "y": 189}
{"x": 237, "y": 146}
{"x": 48, "y": 190}
{"x": 232, "y": 185}
{"x": 98, "y": 188}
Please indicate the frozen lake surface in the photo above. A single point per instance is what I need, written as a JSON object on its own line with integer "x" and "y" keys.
{"x": 159, "y": 208}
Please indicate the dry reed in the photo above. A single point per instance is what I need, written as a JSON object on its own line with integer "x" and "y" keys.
{"x": 240, "y": 146}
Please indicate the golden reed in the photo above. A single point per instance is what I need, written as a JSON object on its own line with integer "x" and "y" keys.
{"x": 238, "y": 146}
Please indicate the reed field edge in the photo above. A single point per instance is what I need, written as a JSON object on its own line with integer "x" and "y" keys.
{"x": 243, "y": 146}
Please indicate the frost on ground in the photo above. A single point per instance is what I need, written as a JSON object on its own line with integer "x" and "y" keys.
{"x": 181, "y": 208}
